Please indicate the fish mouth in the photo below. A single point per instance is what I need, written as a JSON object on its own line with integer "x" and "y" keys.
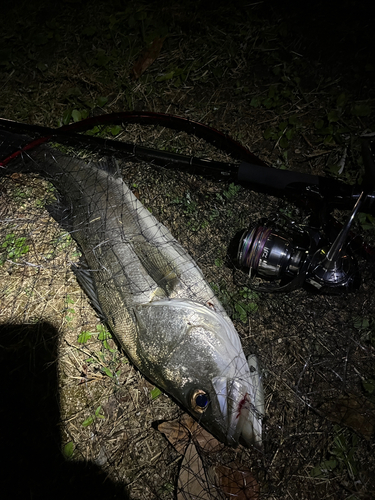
{"x": 242, "y": 408}
{"x": 249, "y": 426}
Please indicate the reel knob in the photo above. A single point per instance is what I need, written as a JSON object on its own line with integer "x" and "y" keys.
{"x": 333, "y": 276}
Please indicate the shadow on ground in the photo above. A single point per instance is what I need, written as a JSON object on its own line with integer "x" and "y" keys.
{"x": 33, "y": 466}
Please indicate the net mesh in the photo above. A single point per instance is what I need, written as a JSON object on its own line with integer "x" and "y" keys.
{"x": 316, "y": 352}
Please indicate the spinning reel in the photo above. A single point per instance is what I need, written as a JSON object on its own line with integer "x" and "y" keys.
{"x": 286, "y": 256}
{"x": 282, "y": 254}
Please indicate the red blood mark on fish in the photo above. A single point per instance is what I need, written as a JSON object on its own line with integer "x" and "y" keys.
{"x": 242, "y": 403}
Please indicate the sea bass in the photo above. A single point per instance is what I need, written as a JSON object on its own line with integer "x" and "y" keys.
{"x": 154, "y": 297}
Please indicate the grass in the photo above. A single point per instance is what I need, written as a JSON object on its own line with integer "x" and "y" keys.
{"x": 244, "y": 71}
{"x": 13, "y": 248}
{"x": 341, "y": 456}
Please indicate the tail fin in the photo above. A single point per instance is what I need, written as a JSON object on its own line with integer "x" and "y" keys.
{"x": 12, "y": 147}
{"x": 10, "y": 143}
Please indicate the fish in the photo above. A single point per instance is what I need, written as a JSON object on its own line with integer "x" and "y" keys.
{"x": 152, "y": 294}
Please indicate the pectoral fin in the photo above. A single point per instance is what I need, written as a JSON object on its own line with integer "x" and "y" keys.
{"x": 87, "y": 283}
{"x": 161, "y": 270}
{"x": 61, "y": 213}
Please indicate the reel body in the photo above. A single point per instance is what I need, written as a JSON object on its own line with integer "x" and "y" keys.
{"x": 281, "y": 256}
{"x": 287, "y": 256}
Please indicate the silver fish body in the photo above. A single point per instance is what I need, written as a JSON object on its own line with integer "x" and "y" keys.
{"x": 156, "y": 301}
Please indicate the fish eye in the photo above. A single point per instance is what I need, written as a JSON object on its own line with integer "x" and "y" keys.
{"x": 199, "y": 401}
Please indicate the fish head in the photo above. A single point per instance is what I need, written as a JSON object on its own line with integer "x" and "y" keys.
{"x": 228, "y": 402}
{"x": 194, "y": 353}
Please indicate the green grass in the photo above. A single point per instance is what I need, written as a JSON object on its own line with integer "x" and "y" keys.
{"x": 241, "y": 303}
{"x": 229, "y": 66}
{"x": 341, "y": 456}
{"x": 13, "y": 248}
{"x": 95, "y": 416}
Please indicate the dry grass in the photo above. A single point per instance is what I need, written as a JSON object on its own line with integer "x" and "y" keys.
{"x": 314, "y": 355}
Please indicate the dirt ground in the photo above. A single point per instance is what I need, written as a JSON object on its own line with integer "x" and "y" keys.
{"x": 77, "y": 419}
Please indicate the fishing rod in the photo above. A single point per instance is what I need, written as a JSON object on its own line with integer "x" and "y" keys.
{"x": 71, "y": 135}
{"x": 282, "y": 254}
{"x": 252, "y": 171}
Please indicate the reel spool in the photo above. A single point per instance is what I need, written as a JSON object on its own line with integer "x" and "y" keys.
{"x": 284, "y": 256}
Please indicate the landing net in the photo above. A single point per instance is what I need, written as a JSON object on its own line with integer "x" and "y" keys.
{"x": 316, "y": 352}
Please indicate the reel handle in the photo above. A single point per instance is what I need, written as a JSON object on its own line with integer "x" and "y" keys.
{"x": 336, "y": 249}
{"x": 335, "y": 270}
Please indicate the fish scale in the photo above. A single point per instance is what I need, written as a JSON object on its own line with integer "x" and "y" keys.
{"x": 154, "y": 297}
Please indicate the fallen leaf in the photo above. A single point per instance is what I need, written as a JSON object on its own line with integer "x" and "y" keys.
{"x": 198, "y": 477}
{"x": 179, "y": 432}
{"x": 16, "y": 176}
{"x": 136, "y": 193}
{"x": 352, "y": 411}
{"x": 148, "y": 57}
{"x": 194, "y": 481}
{"x": 206, "y": 441}
{"x": 176, "y": 433}
{"x": 237, "y": 481}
